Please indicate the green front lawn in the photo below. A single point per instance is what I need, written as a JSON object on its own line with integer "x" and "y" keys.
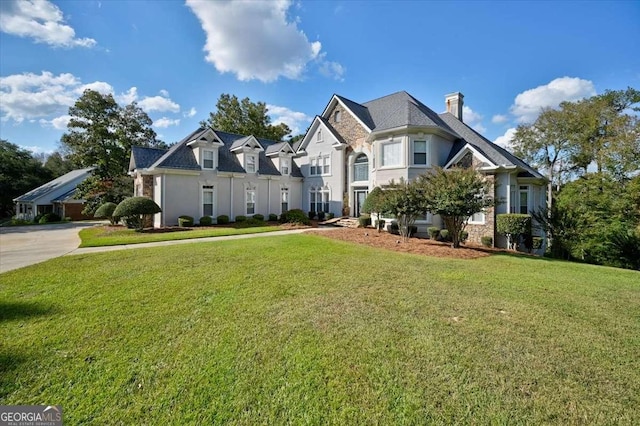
{"x": 100, "y": 236}
{"x": 303, "y": 329}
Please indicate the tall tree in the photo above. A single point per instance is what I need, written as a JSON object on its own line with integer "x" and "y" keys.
{"x": 455, "y": 195}
{"x": 406, "y": 202}
{"x": 19, "y": 173}
{"x": 58, "y": 165}
{"x": 245, "y": 118}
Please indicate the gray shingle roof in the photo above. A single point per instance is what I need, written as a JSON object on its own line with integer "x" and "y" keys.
{"x": 66, "y": 179}
{"x": 493, "y": 152}
{"x": 360, "y": 111}
{"x": 332, "y": 130}
{"x": 180, "y": 156}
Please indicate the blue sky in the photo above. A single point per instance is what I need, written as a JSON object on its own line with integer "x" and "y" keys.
{"x": 509, "y": 59}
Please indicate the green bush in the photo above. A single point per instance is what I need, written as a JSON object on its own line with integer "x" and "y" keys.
{"x": 205, "y": 221}
{"x": 321, "y": 216}
{"x": 106, "y": 210}
{"x": 185, "y": 221}
{"x": 241, "y": 218}
{"x": 330, "y": 216}
{"x": 486, "y": 241}
{"x": 295, "y": 216}
{"x": 364, "y": 220}
{"x": 49, "y": 218}
{"x": 259, "y": 217}
{"x": 444, "y": 235}
{"x": 20, "y": 222}
{"x": 133, "y": 209}
{"x": 536, "y": 243}
{"x": 514, "y": 226}
{"x": 394, "y": 228}
{"x": 249, "y": 223}
{"x": 312, "y": 215}
{"x": 37, "y": 218}
{"x": 223, "y": 219}
{"x": 273, "y": 217}
{"x": 434, "y": 232}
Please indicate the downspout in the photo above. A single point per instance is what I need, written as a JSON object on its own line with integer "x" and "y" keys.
{"x": 269, "y": 195}
{"x": 163, "y": 218}
{"x": 231, "y": 197}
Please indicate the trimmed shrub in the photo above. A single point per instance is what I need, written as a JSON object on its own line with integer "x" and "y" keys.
{"x": 249, "y": 223}
{"x": 259, "y": 217}
{"x": 514, "y": 226}
{"x": 223, "y": 219}
{"x": 320, "y": 216}
{"x": 434, "y": 232}
{"x": 486, "y": 241}
{"x": 364, "y": 220}
{"x": 444, "y": 235}
{"x": 134, "y": 208}
{"x": 20, "y": 222}
{"x": 185, "y": 221}
{"x": 205, "y": 221}
{"x": 330, "y": 216}
{"x": 273, "y": 217}
{"x": 37, "y": 218}
{"x": 106, "y": 210}
{"x": 312, "y": 215}
{"x": 49, "y": 218}
{"x": 295, "y": 216}
{"x": 241, "y": 218}
{"x": 394, "y": 228}
{"x": 536, "y": 243}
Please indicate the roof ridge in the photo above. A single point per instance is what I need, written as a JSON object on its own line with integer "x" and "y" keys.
{"x": 386, "y": 96}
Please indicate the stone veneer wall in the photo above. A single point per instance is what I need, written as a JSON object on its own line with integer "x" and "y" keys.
{"x": 476, "y": 232}
{"x": 147, "y": 191}
{"x": 348, "y": 127}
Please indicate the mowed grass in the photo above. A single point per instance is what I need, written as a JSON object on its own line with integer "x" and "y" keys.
{"x": 101, "y": 236}
{"x": 303, "y": 329}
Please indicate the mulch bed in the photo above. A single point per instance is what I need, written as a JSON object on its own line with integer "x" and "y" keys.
{"x": 370, "y": 237}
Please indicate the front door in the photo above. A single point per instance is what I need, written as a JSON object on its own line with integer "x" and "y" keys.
{"x": 359, "y": 196}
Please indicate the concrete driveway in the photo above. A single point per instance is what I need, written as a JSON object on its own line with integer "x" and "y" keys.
{"x": 26, "y": 245}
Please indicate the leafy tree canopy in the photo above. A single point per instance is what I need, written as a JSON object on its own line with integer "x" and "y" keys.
{"x": 245, "y": 118}
{"x": 406, "y": 202}
{"x": 19, "y": 173}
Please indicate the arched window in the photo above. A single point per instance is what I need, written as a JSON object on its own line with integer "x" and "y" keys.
{"x": 361, "y": 168}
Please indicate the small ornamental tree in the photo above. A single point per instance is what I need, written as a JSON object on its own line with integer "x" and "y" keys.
{"x": 455, "y": 194}
{"x": 405, "y": 201}
{"x": 133, "y": 210}
{"x": 513, "y": 226}
{"x": 106, "y": 210}
{"x": 374, "y": 205}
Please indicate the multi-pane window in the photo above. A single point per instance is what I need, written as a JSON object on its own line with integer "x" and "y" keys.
{"x": 420, "y": 152}
{"x": 524, "y": 199}
{"x": 361, "y": 168}
{"x": 320, "y": 166}
{"x": 391, "y": 154}
{"x": 251, "y": 164}
{"x": 207, "y": 159}
{"x": 251, "y": 201}
{"x": 477, "y": 218}
{"x": 284, "y": 200}
{"x": 326, "y": 165}
{"x": 313, "y": 168}
{"x": 207, "y": 200}
{"x": 319, "y": 200}
{"x": 284, "y": 166}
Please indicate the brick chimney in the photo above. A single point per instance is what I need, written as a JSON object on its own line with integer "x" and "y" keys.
{"x": 454, "y": 102}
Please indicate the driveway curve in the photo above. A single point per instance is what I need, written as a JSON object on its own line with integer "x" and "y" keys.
{"x": 27, "y": 245}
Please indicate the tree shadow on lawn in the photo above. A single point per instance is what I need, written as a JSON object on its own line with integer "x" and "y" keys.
{"x": 23, "y": 310}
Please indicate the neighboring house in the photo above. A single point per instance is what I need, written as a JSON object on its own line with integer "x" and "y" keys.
{"x": 212, "y": 173}
{"x": 55, "y": 196}
{"x": 348, "y": 150}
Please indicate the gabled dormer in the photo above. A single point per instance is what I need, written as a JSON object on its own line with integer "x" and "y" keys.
{"x": 205, "y": 147}
{"x": 247, "y": 150}
{"x": 281, "y": 155}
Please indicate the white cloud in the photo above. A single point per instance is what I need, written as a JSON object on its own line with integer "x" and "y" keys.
{"x": 190, "y": 113}
{"x": 165, "y": 122}
{"x": 330, "y": 69}
{"x": 473, "y": 119}
{"x": 97, "y": 86}
{"x": 256, "y": 39}
{"x": 158, "y": 103}
{"x": 59, "y": 123}
{"x": 505, "y": 140}
{"x": 297, "y": 121}
{"x": 527, "y": 105}
{"x": 164, "y": 93}
{"x": 37, "y": 149}
{"x": 40, "y": 20}
{"x": 128, "y": 97}
{"x": 499, "y": 119}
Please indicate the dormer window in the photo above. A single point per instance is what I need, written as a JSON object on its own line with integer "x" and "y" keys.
{"x": 284, "y": 166}
{"x": 251, "y": 163}
{"x": 207, "y": 159}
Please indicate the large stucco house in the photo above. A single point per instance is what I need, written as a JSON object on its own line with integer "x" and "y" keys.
{"x": 348, "y": 150}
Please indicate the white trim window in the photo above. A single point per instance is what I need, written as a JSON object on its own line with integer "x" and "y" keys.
{"x": 319, "y": 200}
{"x": 425, "y": 218}
{"x": 284, "y": 200}
{"x": 251, "y": 165}
{"x": 523, "y": 203}
{"x": 284, "y": 166}
{"x": 420, "y": 153}
{"x": 320, "y": 165}
{"x": 361, "y": 168}
{"x": 251, "y": 202}
{"x": 477, "y": 219}
{"x": 319, "y": 136}
{"x": 207, "y": 200}
{"x": 391, "y": 154}
{"x": 326, "y": 165}
{"x": 208, "y": 161}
